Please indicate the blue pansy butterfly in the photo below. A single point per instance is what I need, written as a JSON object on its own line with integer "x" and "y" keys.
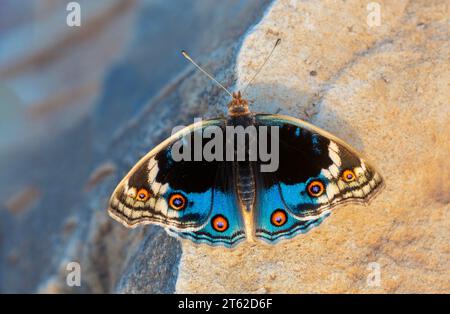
{"x": 222, "y": 202}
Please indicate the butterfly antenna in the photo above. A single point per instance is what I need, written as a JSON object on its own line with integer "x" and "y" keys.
{"x": 185, "y": 54}
{"x": 262, "y": 66}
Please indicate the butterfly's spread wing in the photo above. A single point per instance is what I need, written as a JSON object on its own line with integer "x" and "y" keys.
{"x": 225, "y": 211}
{"x": 316, "y": 172}
{"x": 182, "y": 195}
{"x": 273, "y": 218}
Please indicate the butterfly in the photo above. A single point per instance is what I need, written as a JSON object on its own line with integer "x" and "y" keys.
{"x": 224, "y": 201}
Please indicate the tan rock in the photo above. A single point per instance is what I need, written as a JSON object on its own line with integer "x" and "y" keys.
{"x": 384, "y": 90}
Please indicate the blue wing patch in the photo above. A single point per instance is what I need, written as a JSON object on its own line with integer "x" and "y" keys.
{"x": 274, "y": 220}
{"x": 224, "y": 226}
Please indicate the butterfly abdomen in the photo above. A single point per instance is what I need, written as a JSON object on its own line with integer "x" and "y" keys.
{"x": 245, "y": 185}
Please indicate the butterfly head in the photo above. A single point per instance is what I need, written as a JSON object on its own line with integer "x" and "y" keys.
{"x": 238, "y": 106}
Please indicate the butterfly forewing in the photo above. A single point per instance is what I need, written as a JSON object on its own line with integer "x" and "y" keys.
{"x": 163, "y": 191}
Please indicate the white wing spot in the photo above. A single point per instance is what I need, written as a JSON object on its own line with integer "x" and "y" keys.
{"x": 163, "y": 189}
{"x": 173, "y": 213}
{"x": 126, "y": 211}
{"x": 333, "y": 146}
{"x": 155, "y": 186}
{"x": 151, "y": 163}
{"x": 136, "y": 214}
{"x": 152, "y": 174}
{"x": 363, "y": 165}
{"x": 326, "y": 174}
{"x": 358, "y": 193}
{"x": 335, "y": 158}
{"x": 334, "y": 170}
{"x": 131, "y": 192}
{"x": 366, "y": 189}
{"x": 332, "y": 190}
{"x": 161, "y": 206}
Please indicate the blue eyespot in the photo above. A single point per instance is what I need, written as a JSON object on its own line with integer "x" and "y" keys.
{"x": 177, "y": 201}
{"x": 219, "y": 223}
{"x": 315, "y": 188}
{"x": 278, "y": 218}
{"x": 143, "y": 195}
{"x": 348, "y": 176}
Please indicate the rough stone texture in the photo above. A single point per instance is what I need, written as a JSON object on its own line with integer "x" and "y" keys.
{"x": 102, "y": 96}
{"x": 385, "y": 90}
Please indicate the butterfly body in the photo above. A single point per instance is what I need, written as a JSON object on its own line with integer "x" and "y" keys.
{"x": 224, "y": 201}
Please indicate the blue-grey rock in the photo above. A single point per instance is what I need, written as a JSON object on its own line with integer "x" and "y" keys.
{"x": 76, "y": 143}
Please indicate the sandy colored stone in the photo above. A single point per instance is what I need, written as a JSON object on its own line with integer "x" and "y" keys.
{"x": 385, "y": 91}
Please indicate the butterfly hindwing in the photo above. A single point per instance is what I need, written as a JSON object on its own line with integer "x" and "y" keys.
{"x": 225, "y": 212}
{"x": 316, "y": 172}
{"x": 273, "y": 219}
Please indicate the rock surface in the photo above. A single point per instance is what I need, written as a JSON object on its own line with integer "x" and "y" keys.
{"x": 384, "y": 90}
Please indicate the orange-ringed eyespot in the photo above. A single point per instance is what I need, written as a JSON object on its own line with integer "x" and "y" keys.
{"x": 278, "y": 218}
{"x": 315, "y": 188}
{"x": 142, "y": 195}
{"x": 219, "y": 223}
{"x": 177, "y": 201}
{"x": 348, "y": 176}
